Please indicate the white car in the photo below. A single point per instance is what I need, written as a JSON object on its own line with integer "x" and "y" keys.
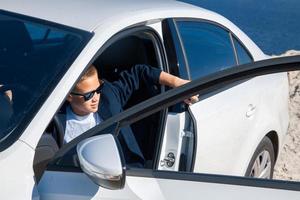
{"x": 237, "y": 127}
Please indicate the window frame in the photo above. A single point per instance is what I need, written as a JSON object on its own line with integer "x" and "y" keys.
{"x": 174, "y": 50}
{"x": 231, "y": 35}
{"x": 234, "y": 37}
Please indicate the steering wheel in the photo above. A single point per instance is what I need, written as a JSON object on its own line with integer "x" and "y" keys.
{"x": 58, "y": 131}
{"x": 15, "y": 88}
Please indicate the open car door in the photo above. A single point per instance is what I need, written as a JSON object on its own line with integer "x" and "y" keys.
{"x": 65, "y": 179}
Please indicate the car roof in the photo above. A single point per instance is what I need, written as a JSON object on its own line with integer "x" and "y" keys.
{"x": 88, "y": 14}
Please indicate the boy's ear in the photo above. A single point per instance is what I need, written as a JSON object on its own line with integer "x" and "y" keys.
{"x": 69, "y": 98}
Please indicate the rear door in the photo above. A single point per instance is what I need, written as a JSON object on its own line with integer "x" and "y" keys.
{"x": 203, "y": 48}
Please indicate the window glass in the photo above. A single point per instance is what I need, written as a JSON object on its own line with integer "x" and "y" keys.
{"x": 28, "y": 69}
{"x": 39, "y": 33}
{"x": 36, "y": 32}
{"x": 242, "y": 54}
{"x": 56, "y": 35}
{"x": 208, "y": 47}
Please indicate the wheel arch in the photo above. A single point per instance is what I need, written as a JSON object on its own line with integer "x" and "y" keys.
{"x": 273, "y": 136}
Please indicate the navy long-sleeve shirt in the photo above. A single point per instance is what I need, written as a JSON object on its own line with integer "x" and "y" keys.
{"x": 116, "y": 94}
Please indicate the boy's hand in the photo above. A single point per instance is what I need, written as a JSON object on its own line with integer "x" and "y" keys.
{"x": 174, "y": 81}
{"x": 191, "y": 100}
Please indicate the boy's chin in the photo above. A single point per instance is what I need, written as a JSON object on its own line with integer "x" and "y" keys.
{"x": 94, "y": 110}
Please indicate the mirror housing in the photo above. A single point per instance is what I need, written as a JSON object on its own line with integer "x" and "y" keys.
{"x": 101, "y": 159}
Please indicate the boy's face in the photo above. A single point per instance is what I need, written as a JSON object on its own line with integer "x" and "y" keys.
{"x": 78, "y": 103}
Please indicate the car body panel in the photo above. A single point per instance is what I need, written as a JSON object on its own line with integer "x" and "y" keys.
{"x": 17, "y": 176}
{"x": 221, "y": 123}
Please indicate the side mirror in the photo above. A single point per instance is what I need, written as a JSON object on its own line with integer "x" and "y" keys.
{"x": 101, "y": 161}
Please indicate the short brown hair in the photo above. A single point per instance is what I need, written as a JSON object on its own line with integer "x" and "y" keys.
{"x": 91, "y": 71}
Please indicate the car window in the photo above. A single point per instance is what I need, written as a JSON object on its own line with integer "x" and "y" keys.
{"x": 208, "y": 47}
{"x": 243, "y": 55}
{"x": 141, "y": 47}
{"x": 28, "y": 70}
{"x": 43, "y": 33}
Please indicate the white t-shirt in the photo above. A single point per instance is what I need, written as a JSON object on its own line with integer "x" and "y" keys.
{"x": 76, "y": 125}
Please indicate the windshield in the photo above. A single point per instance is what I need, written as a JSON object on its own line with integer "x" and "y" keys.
{"x": 34, "y": 55}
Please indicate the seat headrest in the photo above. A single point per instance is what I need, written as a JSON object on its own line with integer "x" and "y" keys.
{"x": 121, "y": 55}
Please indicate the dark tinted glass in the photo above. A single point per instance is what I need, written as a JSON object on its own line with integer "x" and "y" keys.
{"x": 242, "y": 54}
{"x": 31, "y": 62}
{"x": 36, "y": 32}
{"x": 208, "y": 47}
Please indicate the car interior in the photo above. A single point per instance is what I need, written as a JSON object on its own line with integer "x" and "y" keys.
{"x": 20, "y": 56}
{"x": 139, "y": 49}
{"x": 12, "y": 55}
{"x": 124, "y": 53}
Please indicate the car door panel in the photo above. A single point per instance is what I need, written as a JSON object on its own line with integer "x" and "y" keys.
{"x": 168, "y": 184}
{"x": 211, "y": 191}
{"x": 160, "y": 186}
{"x": 236, "y": 105}
{"x": 224, "y": 128}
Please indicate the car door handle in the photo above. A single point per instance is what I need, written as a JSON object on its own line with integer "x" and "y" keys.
{"x": 251, "y": 110}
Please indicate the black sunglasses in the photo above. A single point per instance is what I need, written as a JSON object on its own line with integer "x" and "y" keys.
{"x": 89, "y": 95}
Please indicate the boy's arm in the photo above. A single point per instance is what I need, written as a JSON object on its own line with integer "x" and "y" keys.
{"x": 174, "y": 81}
{"x": 131, "y": 80}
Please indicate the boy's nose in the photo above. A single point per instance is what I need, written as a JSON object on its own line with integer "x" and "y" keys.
{"x": 95, "y": 97}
